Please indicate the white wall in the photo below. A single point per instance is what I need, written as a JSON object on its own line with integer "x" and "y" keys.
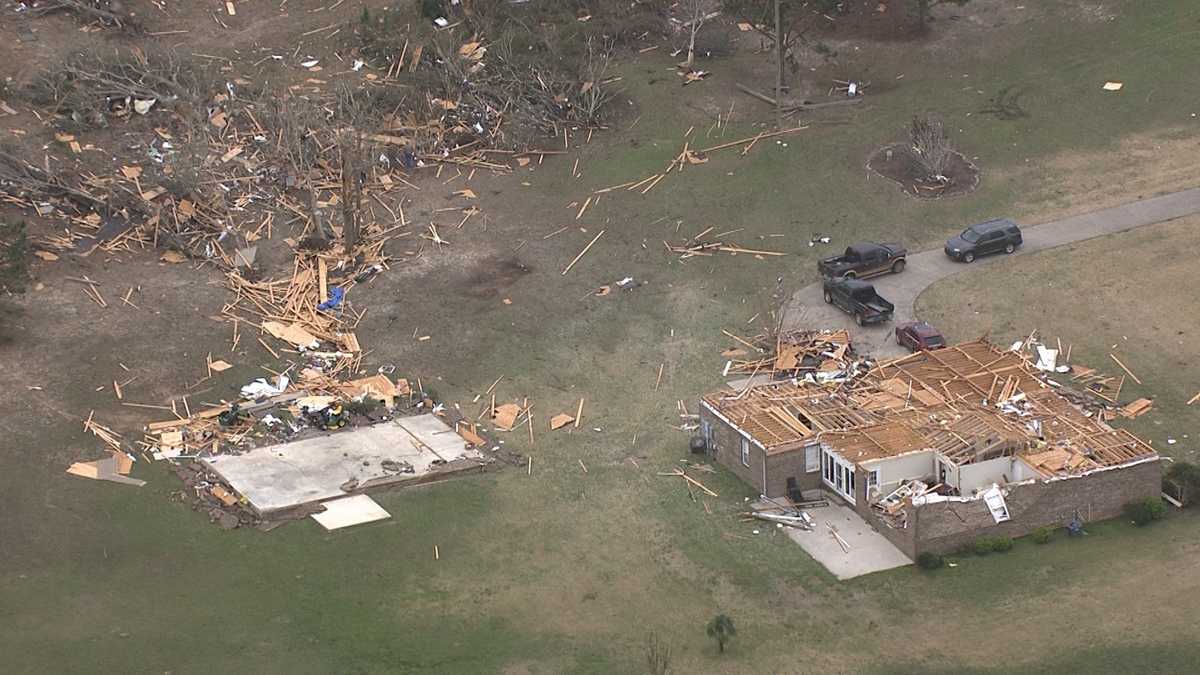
{"x": 1022, "y": 471}
{"x": 982, "y": 474}
{"x": 894, "y": 470}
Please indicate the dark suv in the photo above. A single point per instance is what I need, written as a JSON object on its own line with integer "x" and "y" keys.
{"x": 993, "y": 236}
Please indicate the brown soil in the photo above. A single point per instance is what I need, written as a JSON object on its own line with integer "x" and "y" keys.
{"x": 493, "y": 274}
{"x": 898, "y": 163}
{"x": 862, "y": 19}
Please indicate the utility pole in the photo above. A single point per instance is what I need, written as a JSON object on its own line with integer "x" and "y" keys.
{"x": 778, "y": 68}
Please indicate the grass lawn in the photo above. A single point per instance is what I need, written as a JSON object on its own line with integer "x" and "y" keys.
{"x": 563, "y": 571}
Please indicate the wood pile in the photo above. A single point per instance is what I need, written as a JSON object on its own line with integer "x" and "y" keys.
{"x": 789, "y": 354}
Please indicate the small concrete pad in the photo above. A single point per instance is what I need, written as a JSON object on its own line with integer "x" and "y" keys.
{"x": 287, "y": 475}
{"x": 869, "y": 550}
{"x": 349, "y": 511}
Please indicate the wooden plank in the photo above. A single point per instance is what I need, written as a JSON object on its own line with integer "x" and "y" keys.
{"x": 583, "y": 252}
{"x": 322, "y": 275}
{"x": 1125, "y": 368}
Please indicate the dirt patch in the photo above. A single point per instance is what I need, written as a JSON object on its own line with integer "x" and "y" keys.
{"x": 882, "y": 20}
{"x": 897, "y": 162}
{"x": 492, "y": 275}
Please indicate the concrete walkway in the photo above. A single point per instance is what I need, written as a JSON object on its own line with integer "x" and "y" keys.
{"x": 807, "y": 309}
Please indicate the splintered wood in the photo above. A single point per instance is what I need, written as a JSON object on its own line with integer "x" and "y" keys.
{"x": 689, "y": 156}
{"x": 692, "y": 481}
{"x": 690, "y": 249}
{"x": 789, "y": 354}
{"x": 1137, "y": 408}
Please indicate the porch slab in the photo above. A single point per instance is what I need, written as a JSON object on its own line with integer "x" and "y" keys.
{"x": 869, "y": 550}
{"x": 278, "y": 477}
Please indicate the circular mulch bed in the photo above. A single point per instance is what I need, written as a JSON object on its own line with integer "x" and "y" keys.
{"x": 897, "y": 162}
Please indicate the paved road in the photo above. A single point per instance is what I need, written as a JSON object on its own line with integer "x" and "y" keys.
{"x": 807, "y": 308}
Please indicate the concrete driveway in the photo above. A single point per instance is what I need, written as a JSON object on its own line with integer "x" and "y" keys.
{"x": 869, "y": 551}
{"x": 807, "y": 309}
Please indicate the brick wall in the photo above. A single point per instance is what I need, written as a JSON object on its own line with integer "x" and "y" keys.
{"x": 789, "y": 464}
{"x": 903, "y": 538}
{"x": 945, "y": 527}
{"x": 726, "y": 448}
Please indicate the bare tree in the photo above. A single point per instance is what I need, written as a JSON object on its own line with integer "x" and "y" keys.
{"x": 698, "y": 13}
{"x": 353, "y": 155}
{"x": 658, "y": 656}
{"x": 786, "y": 24}
{"x": 300, "y": 149}
{"x": 930, "y": 145}
{"x": 595, "y": 94}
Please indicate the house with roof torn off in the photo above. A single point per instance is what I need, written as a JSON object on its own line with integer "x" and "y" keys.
{"x": 936, "y": 449}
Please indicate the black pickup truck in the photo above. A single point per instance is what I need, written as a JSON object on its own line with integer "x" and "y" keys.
{"x": 864, "y": 260}
{"x": 858, "y": 299}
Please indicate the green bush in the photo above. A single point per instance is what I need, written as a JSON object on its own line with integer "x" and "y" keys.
{"x": 983, "y": 546}
{"x": 1145, "y": 511}
{"x": 986, "y": 545}
{"x": 1042, "y": 535}
{"x": 1187, "y": 476}
{"x": 930, "y": 561}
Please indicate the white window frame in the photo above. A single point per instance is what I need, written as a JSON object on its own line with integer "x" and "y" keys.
{"x": 812, "y": 459}
{"x": 745, "y": 452}
{"x": 839, "y": 475}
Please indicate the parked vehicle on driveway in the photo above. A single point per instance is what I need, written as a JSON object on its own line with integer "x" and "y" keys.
{"x": 858, "y": 299}
{"x": 993, "y": 236}
{"x": 864, "y": 260}
{"x": 919, "y": 336}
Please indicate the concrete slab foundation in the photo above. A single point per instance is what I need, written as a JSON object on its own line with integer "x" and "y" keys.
{"x": 869, "y": 550}
{"x": 284, "y": 476}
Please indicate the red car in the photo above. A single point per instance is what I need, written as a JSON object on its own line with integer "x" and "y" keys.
{"x": 919, "y": 336}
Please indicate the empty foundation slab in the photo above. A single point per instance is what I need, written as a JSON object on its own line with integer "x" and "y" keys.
{"x": 279, "y": 477}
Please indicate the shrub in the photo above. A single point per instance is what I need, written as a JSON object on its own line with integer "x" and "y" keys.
{"x": 1187, "y": 476}
{"x": 1145, "y": 511}
{"x": 930, "y": 561}
{"x": 1042, "y": 535}
{"x": 983, "y": 546}
{"x": 1002, "y": 544}
{"x": 364, "y": 406}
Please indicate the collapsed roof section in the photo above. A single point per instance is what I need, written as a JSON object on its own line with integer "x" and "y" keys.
{"x": 969, "y": 402}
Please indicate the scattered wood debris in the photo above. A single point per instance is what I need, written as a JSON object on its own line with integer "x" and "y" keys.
{"x": 1137, "y": 408}
{"x": 692, "y": 481}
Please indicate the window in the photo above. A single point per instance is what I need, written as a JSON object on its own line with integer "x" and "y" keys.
{"x": 745, "y": 452}
{"x": 872, "y": 481}
{"x": 812, "y": 459}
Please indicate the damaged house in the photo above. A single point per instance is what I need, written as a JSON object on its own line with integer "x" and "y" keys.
{"x": 935, "y": 449}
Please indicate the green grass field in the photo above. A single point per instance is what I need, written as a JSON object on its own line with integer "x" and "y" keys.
{"x": 566, "y": 572}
